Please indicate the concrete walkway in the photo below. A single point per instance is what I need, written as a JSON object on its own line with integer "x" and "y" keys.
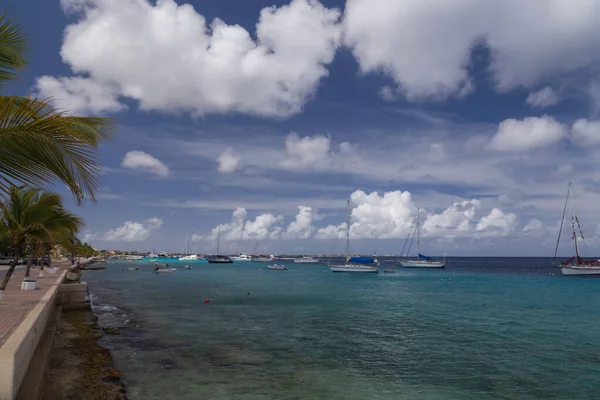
{"x": 17, "y": 303}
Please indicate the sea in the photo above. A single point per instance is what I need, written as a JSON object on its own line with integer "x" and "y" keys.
{"x": 482, "y": 328}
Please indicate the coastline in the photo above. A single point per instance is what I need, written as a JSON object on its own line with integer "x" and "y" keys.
{"x": 78, "y": 366}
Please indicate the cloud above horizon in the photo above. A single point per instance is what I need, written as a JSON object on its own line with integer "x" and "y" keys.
{"x": 222, "y": 68}
{"x": 143, "y": 161}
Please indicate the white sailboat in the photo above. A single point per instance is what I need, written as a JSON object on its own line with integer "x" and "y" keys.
{"x": 305, "y": 259}
{"x": 241, "y": 257}
{"x": 574, "y": 265}
{"x": 422, "y": 261}
{"x": 355, "y": 264}
{"x": 188, "y": 257}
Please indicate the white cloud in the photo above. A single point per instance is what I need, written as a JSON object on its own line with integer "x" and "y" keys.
{"x": 88, "y": 236}
{"x": 139, "y": 160}
{"x": 534, "y": 228}
{"x": 455, "y": 220}
{"x": 302, "y": 226}
{"x": 497, "y": 223}
{"x": 228, "y": 161}
{"x": 240, "y": 227}
{"x": 391, "y": 215}
{"x": 169, "y": 58}
{"x": 316, "y": 153}
{"x": 79, "y": 95}
{"x": 585, "y": 132}
{"x": 134, "y": 231}
{"x": 306, "y": 151}
{"x": 543, "y": 98}
{"x": 527, "y": 134}
{"x": 386, "y": 216}
{"x": 434, "y": 63}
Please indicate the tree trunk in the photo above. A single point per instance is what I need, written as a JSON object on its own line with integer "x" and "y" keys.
{"x": 10, "y": 271}
{"x": 45, "y": 255}
{"x": 30, "y": 261}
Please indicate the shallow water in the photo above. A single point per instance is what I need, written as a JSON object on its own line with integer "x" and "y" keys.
{"x": 480, "y": 329}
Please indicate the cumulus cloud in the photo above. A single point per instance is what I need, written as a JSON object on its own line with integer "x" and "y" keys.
{"x": 316, "y": 153}
{"x": 196, "y": 66}
{"x": 543, "y": 98}
{"x": 228, "y": 161}
{"x": 391, "y": 215}
{"x": 534, "y": 228}
{"x": 134, "y": 231}
{"x": 455, "y": 220}
{"x": 496, "y": 223}
{"x": 79, "y": 95}
{"x": 144, "y": 161}
{"x": 523, "y": 51}
{"x": 88, "y": 236}
{"x": 302, "y": 226}
{"x": 585, "y": 132}
{"x": 240, "y": 227}
{"x": 530, "y": 133}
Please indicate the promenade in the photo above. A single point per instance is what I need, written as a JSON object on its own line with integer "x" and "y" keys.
{"x": 17, "y": 303}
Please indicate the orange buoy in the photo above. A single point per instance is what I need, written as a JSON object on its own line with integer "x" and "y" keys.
{"x": 206, "y": 301}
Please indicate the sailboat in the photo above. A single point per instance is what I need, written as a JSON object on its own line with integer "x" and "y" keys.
{"x": 355, "y": 264}
{"x": 422, "y": 261}
{"x": 241, "y": 256}
{"x": 217, "y": 258}
{"x": 305, "y": 259}
{"x": 188, "y": 257}
{"x": 574, "y": 265}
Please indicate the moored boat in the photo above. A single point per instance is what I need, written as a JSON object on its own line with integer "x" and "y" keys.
{"x": 576, "y": 265}
{"x": 306, "y": 260}
{"x": 218, "y": 259}
{"x": 355, "y": 264}
{"x": 422, "y": 261}
{"x": 277, "y": 267}
{"x": 241, "y": 258}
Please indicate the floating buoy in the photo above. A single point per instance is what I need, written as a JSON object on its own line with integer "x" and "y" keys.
{"x": 206, "y": 301}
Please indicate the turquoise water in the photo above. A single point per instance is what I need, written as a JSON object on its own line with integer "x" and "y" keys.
{"x": 481, "y": 329}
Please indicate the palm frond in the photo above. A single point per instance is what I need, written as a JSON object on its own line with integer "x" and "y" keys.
{"x": 39, "y": 144}
{"x": 13, "y": 45}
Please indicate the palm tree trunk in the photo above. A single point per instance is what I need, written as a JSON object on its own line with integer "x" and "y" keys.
{"x": 9, "y": 273}
{"x": 30, "y": 261}
{"x": 41, "y": 274}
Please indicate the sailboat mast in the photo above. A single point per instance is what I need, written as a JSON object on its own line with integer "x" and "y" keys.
{"x": 218, "y": 238}
{"x": 562, "y": 222}
{"x": 348, "y": 235}
{"x": 574, "y": 229}
{"x": 418, "y": 233}
{"x": 241, "y": 237}
{"x": 304, "y": 244}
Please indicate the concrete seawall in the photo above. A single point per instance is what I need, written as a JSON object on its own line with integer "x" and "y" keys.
{"x": 17, "y": 352}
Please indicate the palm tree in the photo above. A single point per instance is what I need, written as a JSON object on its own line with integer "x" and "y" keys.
{"x": 39, "y": 144}
{"x": 59, "y": 228}
{"x": 32, "y": 214}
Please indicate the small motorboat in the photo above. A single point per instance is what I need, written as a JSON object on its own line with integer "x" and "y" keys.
{"x": 188, "y": 266}
{"x": 389, "y": 270}
{"x": 162, "y": 267}
{"x": 131, "y": 269}
{"x": 156, "y": 270}
{"x": 277, "y": 267}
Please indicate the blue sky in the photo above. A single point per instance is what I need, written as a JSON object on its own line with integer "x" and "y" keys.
{"x": 266, "y": 116}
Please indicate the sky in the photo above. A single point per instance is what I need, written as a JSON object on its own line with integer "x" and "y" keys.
{"x": 261, "y": 119}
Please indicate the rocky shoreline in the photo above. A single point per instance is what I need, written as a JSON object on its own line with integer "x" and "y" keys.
{"x": 79, "y": 368}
